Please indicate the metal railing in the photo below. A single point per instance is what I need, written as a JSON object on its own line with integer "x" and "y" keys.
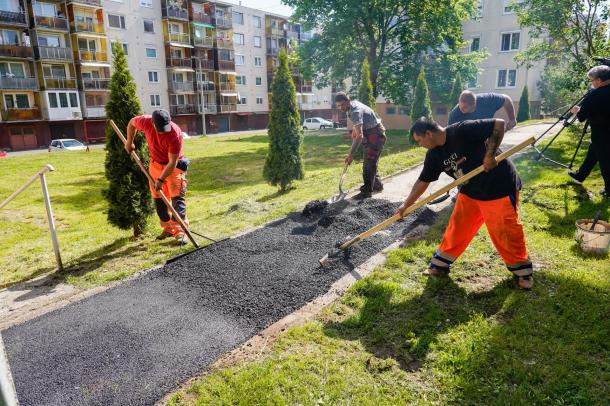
{"x": 205, "y": 42}
{"x": 83, "y": 26}
{"x": 227, "y": 87}
{"x": 18, "y": 83}
{"x": 273, "y": 51}
{"x": 59, "y": 83}
{"x": 277, "y": 32}
{"x": 228, "y": 108}
{"x": 226, "y": 65}
{"x": 58, "y": 23}
{"x": 224, "y": 43}
{"x": 92, "y": 56}
{"x": 55, "y": 53}
{"x": 179, "y": 63}
{"x": 204, "y": 64}
{"x": 94, "y": 111}
{"x": 181, "y": 86}
{"x": 209, "y": 109}
{"x": 200, "y": 17}
{"x": 88, "y": 2}
{"x": 18, "y": 114}
{"x": 224, "y": 22}
{"x": 175, "y": 12}
{"x": 184, "y": 109}
{"x": 179, "y": 38}
{"x": 205, "y": 86}
{"x": 12, "y": 17}
{"x": 96, "y": 84}
{"x": 16, "y": 51}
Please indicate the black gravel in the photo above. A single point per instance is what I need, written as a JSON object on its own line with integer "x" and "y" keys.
{"x": 133, "y": 344}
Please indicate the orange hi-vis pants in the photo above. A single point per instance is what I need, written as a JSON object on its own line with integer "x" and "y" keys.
{"x": 174, "y": 188}
{"x": 502, "y": 221}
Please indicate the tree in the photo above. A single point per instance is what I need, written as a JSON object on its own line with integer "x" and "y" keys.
{"x": 456, "y": 90}
{"x": 396, "y": 37}
{"x": 421, "y": 102}
{"x": 284, "y": 162}
{"x": 524, "y": 106}
{"x": 128, "y": 192}
{"x": 365, "y": 90}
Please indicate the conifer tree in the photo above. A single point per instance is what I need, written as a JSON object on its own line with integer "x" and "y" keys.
{"x": 456, "y": 90}
{"x": 365, "y": 90}
{"x": 421, "y": 101}
{"x": 524, "y": 106}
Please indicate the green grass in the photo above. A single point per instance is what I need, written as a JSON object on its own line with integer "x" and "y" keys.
{"x": 226, "y": 195}
{"x": 397, "y": 337}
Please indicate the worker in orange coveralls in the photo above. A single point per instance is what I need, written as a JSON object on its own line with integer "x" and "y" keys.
{"x": 167, "y": 167}
{"x": 491, "y": 197}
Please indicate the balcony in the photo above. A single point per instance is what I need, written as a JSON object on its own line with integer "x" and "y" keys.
{"x": 179, "y": 63}
{"x": 306, "y": 89}
{"x": 8, "y": 83}
{"x": 204, "y": 64}
{"x": 224, "y": 43}
{"x": 182, "y": 87}
{"x": 276, "y": 32}
{"x": 54, "y": 53}
{"x": 184, "y": 109}
{"x": 83, "y": 26}
{"x": 227, "y": 87}
{"x": 226, "y": 65}
{"x": 199, "y": 17}
{"x": 17, "y": 114}
{"x": 16, "y": 51}
{"x": 207, "y": 42}
{"x": 56, "y": 23}
{"x": 175, "y": 12}
{"x": 209, "y": 109}
{"x": 94, "y": 111}
{"x": 178, "y": 38}
{"x": 97, "y": 3}
{"x": 96, "y": 84}
{"x": 224, "y": 22}
{"x": 273, "y": 51}
{"x": 227, "y": 108}
{"x": 12, "y": 17}
{"x": 205, "y": 86}
{"x": 59, "y": 83}
{"x": 85, "y": 55}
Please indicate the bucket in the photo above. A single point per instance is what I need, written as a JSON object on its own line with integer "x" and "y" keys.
{"x": 594, "y": 241}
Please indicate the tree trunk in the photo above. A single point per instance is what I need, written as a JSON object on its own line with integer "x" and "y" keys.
{"x": 138, "y": 230}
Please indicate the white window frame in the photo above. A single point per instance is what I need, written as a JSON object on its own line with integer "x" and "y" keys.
{"x": 472, "y": 42}
{"x": 122, "y": 21}
{"x": 155, "y": 100}
{"x": 506, "y": 3}
{"x": 144, "y": 20}
{"x": 155, "y": 74}
{"x": 241, "y": 36}
{"x": 146, "y": 3}
{"x": 241, "y": 58}
{"x": 258, "y": 58}
{"x": 261, "y": 79}
{"x": 243, "y": 18}
{"x": 507, "y": 70}
{"x": 503, "y": 33}
{"x": 149, "y": 46}
{"x": 260, "y": 99}
{"x": 260, "y": 41}
{"x": 260, "y": 21}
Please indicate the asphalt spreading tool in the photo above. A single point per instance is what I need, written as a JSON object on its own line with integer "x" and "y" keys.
{"x": 137, "y": 160}
{"x": 343, "y": 247}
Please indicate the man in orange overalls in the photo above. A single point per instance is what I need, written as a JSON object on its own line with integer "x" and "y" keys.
{"x": 167, "y": 167}
{"x": 491, "y": 197}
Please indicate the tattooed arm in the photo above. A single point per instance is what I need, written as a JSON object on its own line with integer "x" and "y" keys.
{"x": 493, "y": 143}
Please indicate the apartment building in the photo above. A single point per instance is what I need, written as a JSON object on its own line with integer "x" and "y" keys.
{"x": 204, "y": 61}
{"x": 497, "y": 31}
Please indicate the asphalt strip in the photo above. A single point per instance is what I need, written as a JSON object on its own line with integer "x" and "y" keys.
{"x": 133, "y": 344}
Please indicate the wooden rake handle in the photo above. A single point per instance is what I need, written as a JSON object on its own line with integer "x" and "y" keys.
{"x": 152, "y": 182}
{"x": 434, "y": 195}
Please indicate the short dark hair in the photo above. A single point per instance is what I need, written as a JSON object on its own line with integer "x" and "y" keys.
{"x": 423, "y": 124}
{"x": 341, "y": 96}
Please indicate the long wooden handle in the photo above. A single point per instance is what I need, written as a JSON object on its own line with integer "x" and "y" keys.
{"x": 152, "y": 182}
{"x": 434, "y": 195}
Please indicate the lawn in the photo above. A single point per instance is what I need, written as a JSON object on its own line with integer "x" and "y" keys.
{"x": 397, "y": 337}
{"x": 226, "y": 195}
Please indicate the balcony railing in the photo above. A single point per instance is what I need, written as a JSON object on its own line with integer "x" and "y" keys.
{"x": 292, "y": 34}
{"x": 200, "y": 17}
{"x": 59, "y": 83}
{"x": 18, "y": 83}
{"x": 227, "y": 87}
{"x": 224, "y": 22}
{"x": 96, "y": 84}
{"x": 16, "y": 51}
{"x": 85, "y": 55}
{"x": 224, "y": 43}
{"x": 179, "y": 38}
{"x": 276, "y": 32}
{"x": 205, "y": 86}
{"x": 181, "y": 86}
{"x": 209, "y": 109}
{"x": 12, "y": 17}
{"x": 83, "y": 26}
{"x": 227, "y": 108}
{"x": 57, "y": 23}
{"x": 306, "y": 89}
{"x": 226, "y": 65}
{"x": 175, "y": 12}
{"x": 184, "y": 109}
{"x": 204, "y": 64}
{"x": 87, "y": 2}
{"x": 94, "y": 111}
{"x": 273, "y": 51}
{"x": 207, "y": 42}
{"x": 18, "y": 114}
{"x": 54, "y": 53}
{"x": 179, "y": 63}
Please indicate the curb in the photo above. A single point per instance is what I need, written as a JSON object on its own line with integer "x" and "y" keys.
{"x": 8, "y": 395}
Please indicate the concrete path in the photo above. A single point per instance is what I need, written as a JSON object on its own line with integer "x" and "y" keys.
{"x": 134, "y": 343}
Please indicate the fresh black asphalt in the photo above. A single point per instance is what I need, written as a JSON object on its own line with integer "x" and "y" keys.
{"x": 133, "y": 344}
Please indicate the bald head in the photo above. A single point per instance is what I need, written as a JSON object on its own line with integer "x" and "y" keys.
{"x": 467, "y": 102}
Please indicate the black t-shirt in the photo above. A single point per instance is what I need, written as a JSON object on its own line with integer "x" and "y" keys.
{"x": 487, "y": 106}
{"x": 596, "y": 108}
{"x": 464, "y": 151}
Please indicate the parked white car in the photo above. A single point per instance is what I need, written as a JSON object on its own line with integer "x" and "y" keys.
{"x": 316, "y": 123}
{"x": 66, "y": 144}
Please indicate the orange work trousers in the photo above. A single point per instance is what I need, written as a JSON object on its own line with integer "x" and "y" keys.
{"x": 502, "y": 220}
{"x": 174, "y": 188}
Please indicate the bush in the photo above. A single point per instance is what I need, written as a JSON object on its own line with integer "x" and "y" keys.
{"x": 421, "y": 102}
{"x": 365, "y": 90}
{"x": 524, "y": 106}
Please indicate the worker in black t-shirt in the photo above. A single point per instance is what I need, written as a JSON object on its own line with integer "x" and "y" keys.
{"x": 595, "y": 107}
{"x": 491, "y": 197}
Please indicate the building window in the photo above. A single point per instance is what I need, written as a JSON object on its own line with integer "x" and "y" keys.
{"x": 257, "y": 42}
{"x": 239, "y": 60}
{"x": 146, "y": 3}
{"x": 153, "y": 77}
{"x": 475, "y": 44}
{"x": 259, "y": 99}
{"x": 149, "y": 26}
{"x": 473, "y": 84}
{"x": 151, "y": 52}
{"x": 390, "y": 110}
{"x": 53, "y": 100}
{"x": 116, "y": 21}
{"x": 403, "y": 111}
{"x": 259, "y": 81}
{"x": 479, "y": 12}
{"x": 73, "y": 100}
{"x": 20, "y": 101}
{"x": 239, "y": 38}
{"x": 125, "y": 48}
{"x": 258, "y": 61}
{"x": 241, "y": 100}
{"x": 238, "y": 18}
{"x": 510, "y": 41}
{"x": 240, "y": 80}
{"x": 509, "y": 4}
{"x": 257, "y": 22}
{"x": 63, "y": 100}
{"x": 155, "y": 100}
{"x": 507, "y": 78}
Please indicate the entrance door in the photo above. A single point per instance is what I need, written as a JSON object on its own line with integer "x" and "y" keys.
{"x": 223, "y": 124}
{"x": 62, "y": 131}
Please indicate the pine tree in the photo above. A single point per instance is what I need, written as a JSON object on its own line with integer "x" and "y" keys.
{"x": 365, "y": 90}
{"x": 128, "y": 192}
{"x": 284, "y": 162}
{"x": 421, "y": 102}
{"x": 456, "y": 90}
{"x": 524, "y": 106}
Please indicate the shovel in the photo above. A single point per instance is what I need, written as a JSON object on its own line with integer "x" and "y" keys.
{"x": 341, "y": 194}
